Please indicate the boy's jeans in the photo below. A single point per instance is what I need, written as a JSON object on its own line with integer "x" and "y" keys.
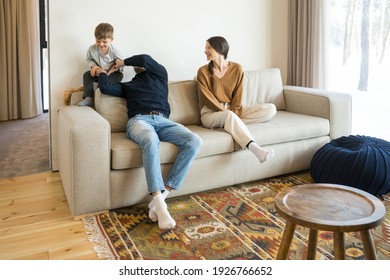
{"x": 148, "y": 131}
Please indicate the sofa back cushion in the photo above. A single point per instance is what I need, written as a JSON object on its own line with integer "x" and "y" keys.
{"x": 263, "y": 86}
{"x": 182, "y": 98}
{"x": 113, "y": 109}
{"x": 260, "y": 86}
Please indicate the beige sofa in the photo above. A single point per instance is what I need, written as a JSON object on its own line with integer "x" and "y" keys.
{"x": 102, "y": 169}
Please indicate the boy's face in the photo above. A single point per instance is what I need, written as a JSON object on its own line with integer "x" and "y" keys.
{"x": 104, "y": 44}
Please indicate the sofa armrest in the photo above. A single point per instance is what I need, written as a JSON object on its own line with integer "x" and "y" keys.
{"x": 334, "y": 106}
{"x": 76, "y": 97}
{"x": 84, "y": 140}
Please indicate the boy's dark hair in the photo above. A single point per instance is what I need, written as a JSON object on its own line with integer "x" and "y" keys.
{"x": 104, "y": 30}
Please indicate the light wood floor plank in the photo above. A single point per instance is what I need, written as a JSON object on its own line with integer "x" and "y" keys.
{"x": 35, "y": 221}
{"x": 77, "y": 251}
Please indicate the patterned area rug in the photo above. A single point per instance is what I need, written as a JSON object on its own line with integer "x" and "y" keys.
{"x": 238, "y": 222}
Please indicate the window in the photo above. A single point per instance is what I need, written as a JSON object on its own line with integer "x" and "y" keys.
{"x": 360, "y": 61}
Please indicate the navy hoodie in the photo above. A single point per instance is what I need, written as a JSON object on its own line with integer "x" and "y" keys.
{"x": 146, "y": 92}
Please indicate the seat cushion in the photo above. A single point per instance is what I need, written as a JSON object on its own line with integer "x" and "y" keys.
{"x": 127, "y": 154}
{"x": 287, "y": 127}
{"x": 357, "y": 161}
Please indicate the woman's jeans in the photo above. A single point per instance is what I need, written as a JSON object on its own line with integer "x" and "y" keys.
{"x": 148, "y": 131}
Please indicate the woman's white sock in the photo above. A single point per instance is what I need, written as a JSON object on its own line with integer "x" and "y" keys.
{"x": 165, "y": 220}
{"x": 152, "y": 208}
{"x": 261, "y": 153}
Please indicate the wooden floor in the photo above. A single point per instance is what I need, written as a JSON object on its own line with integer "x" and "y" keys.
{"x": 36, "y": 223}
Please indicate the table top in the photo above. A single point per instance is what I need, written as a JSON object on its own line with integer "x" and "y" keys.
{"x": 330, "y": 207}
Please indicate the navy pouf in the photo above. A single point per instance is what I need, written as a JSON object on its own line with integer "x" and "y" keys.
{"x": 358, "y": 161}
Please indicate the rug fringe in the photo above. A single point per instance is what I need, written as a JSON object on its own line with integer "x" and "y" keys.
{"x": 97, "y": 239}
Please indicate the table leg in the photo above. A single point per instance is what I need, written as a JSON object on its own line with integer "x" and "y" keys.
{"x": 312, "y": 247}
{"x": 339, "y": 245}
{"x": 286, "y": 241}
{"x": 368, "y": 245}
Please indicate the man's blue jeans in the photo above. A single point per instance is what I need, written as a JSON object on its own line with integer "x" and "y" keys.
{"x": 148, "y": 131}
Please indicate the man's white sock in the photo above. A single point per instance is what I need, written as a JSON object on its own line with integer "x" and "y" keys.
{"x": 152, "y": 208}
{"x": 165, "y": 220}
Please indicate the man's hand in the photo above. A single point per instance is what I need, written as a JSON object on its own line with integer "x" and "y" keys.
{"x": 119, "y": 63}
{"x": 112, "y": 70}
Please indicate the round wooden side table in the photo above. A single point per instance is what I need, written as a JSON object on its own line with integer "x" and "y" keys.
{"x": 329, "y": 207}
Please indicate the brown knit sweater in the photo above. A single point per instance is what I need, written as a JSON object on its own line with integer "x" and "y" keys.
{"x": 228, "y": 89}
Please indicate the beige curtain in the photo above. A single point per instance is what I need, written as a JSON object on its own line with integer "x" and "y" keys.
{"x": 308, "y": 38}
{"x": 20, "y": 77}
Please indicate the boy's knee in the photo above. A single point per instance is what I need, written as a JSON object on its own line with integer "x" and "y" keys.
{"x": 87, "y": 74}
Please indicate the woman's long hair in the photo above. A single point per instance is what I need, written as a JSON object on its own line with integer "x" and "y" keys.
{"x": 221, "y": 46}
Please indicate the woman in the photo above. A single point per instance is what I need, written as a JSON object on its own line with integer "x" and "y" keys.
{"x": 221, "y": 87}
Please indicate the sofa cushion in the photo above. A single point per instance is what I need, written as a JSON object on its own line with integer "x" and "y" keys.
{"x": 127, "y": 154}
{"x": 286, "y": 127}
{"x": 263, "y": 86}
{"x": 113, "y": 109}
{"x": 74, "y": 98}
{"x": 182, "y": 97}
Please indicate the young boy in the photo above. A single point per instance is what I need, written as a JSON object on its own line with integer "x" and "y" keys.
{"x": 101, "y": 55}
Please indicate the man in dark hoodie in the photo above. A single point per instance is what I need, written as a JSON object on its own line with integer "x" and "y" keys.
{"x": 148, "y": 111}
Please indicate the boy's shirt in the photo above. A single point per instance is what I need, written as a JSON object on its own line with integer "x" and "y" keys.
{"x": 94, "y": 56}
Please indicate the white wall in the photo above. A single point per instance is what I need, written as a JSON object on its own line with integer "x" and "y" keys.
{"x": 172, "y": 31}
